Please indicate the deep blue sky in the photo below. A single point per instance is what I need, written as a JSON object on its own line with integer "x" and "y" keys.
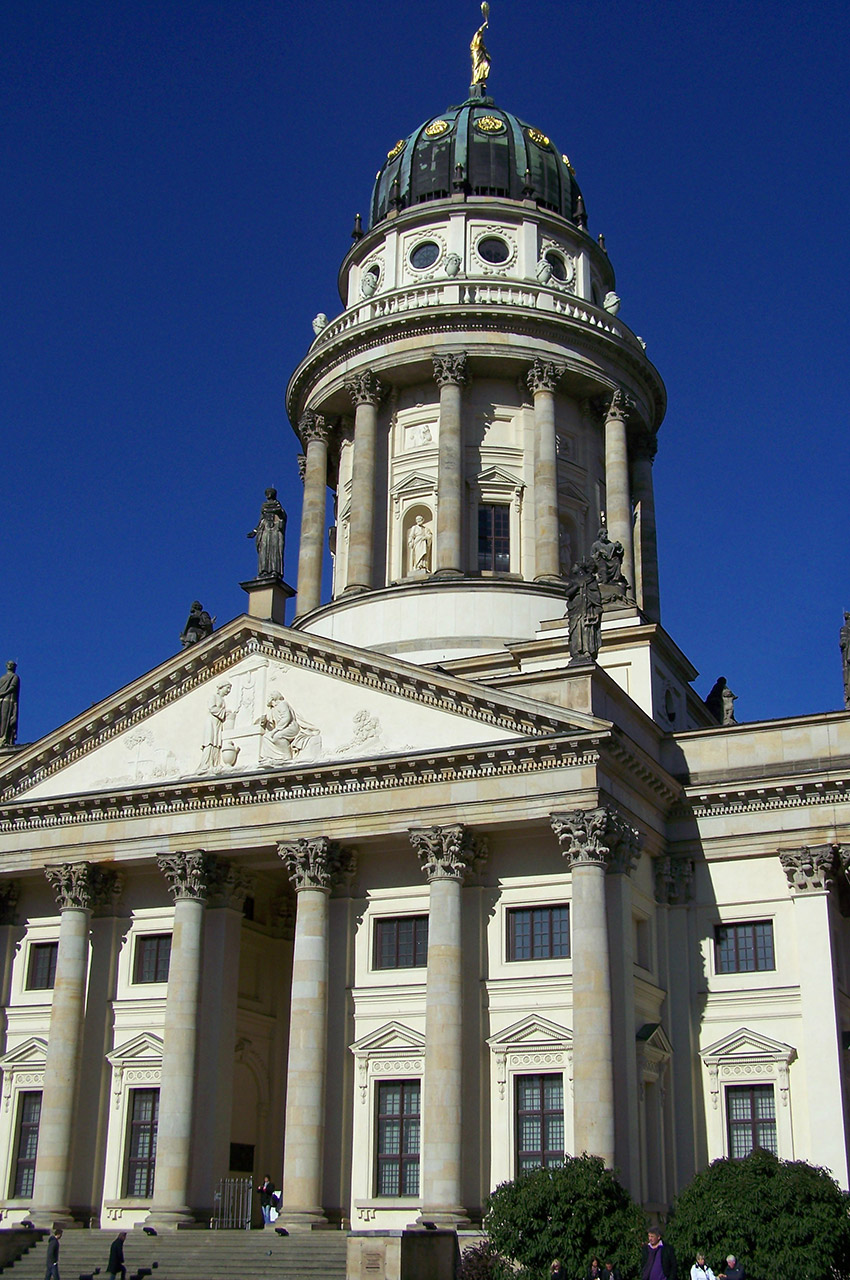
{"x": 179, "y": 184}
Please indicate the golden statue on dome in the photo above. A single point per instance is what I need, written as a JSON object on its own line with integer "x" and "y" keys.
{"x": 478, "y": 49}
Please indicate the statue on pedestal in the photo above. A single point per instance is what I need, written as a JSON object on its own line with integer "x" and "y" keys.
{"x": 844, "y": 641}
{"x": 419, "y": 541}
{"x": 10, "y": 687}
{"x": 198, "y": 627}
{"x": 478, "y": 50}
{"x": 607, "y": 557}
{"x": 584, "y": 612}
{"x": 269, "y": 534}
{"x": 721, "y": 702}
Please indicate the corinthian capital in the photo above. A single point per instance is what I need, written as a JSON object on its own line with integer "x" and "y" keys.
{"x": 227, "y": 885}
{"x": 450, "y": 369}
{"x": 544, "y": 375}
{"x": 312, "y": 426}
{"x": 446, "y": 853}
{"x": 673, "y": 881}
{"x": 315, "y": 864}
{"x": 82, "y": 885}
{"x": 817, "y": 868}
{"x": 597, "y": 837}
{"x": 187, "y": 874}
{"x": 620, "y": 407}
{"x": 365, "y": 388}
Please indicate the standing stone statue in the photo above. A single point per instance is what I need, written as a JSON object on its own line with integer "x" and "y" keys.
{"x": 721, "y": 702}
{"x": 844, "y": 641}
{"x": 10, "y": 687}
{"x": 419, "y": 541}
{"x": 607, "y": 557}
{"x": 584, "y": 612}
{"x": 270, "y": 533}
{"x": 198, "y": 627}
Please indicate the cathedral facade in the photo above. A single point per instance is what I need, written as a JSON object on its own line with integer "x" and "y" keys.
{"x": 456, "y": 873}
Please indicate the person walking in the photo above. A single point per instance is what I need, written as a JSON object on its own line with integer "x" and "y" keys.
{"x": 734, "y": 1270}
{"x": 115, "y": 1265}
{"x": 51, "y": 1266}
{"x": 658, "y": 1260}
{"x": 266, "y": 1193}
{"x": 701, "y": 1270}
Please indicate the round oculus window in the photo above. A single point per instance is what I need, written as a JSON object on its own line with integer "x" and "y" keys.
{"x": 556, "y": 262}
{"x": 492, "y": 249}
{"x": 424, "y": 255}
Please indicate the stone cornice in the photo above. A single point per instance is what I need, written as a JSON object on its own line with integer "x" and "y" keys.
{"x": 338, "y": 778}
{"x": 241, "y": 639}
{"x": 762, "y": 795}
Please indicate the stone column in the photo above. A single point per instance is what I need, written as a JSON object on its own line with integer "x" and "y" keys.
{"x": 187, "y": 875}
{"x": 673, "y": 892}
{"x": 644, "y": 449}
{"x": 445, "y": 854}
{"x": 10, "y": 892}
{"x": 314, "y": 435}
{"x": 591, "y": 840}
{"x": 811, "y": 875}
{"x": 618, "y": 513}
{"x": 543, "y": 377}
{"x": 366, "y": 390}
{"x": 450, "y": 371}
{"x": 78, "y": 886}
{"x": 314, "y": 867}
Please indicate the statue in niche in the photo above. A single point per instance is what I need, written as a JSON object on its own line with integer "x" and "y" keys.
{"x": 721, "y": 702}
{"x": 198, "y": 627}
{"x": 269, "y": 534}
{"x": 419, "y": 541}
{"x": 844, "y": 641}
{"x": 214, "y": 732}
{"x": 607, "y": 557}
{"x": 10, "y": 688}
{"x": 285, "y": 734}
{"x": 584, "y": 612}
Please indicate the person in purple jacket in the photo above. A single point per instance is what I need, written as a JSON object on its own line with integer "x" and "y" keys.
{"x": 658, "y": 1261}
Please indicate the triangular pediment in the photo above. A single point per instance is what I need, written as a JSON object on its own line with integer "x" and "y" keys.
{"x": 496, "y": 478}
{"x": 31, "y": 1054}
{"x": 531, "y": 1031}
{"x": 748, "y": 1046}
{"x": 653, "y": 1036}
{"x": 414, "y": 484}
{"x": 257, "y": 698}
{"x": 392, "y": 1037}
{"x": 144, "y": 1049}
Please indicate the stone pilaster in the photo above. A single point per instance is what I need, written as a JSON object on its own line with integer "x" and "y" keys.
{"x": 644, "y": 449}
{"x": 445, "y": 855}
{"x": 366, "y": 391}
{"x": 543, "y": 378}
{"x": 617, "y": 497}
{"x": 188, "y": 876}
{"x": 78, "y": 887}
{"x": 451, "y": 374}
{"x": 592, "y": 840}
{"x": 10, "y": 892}
{"x": 314, "y": 434}
{"x": 314, "y": 867}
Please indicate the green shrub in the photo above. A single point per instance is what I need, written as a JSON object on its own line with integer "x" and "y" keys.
{"x": 482, "y": 1262}
{"x": 785, "y": 1220}
{"x": 574, "y": 1211}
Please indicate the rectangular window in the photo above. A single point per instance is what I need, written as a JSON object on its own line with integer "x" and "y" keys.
{"x": 153, "y": 957}
{"x": 751, "y": 1119}
{"x": 494, "y": 539}
{"x": 41, "y": 975}
{"x": 744, "y": 948}
{"x": 401, "y": 943}
{"x": 398, "y": 1138}
{"x": 29, "y": 1115}
{"x": 539, "y": 933}
{"x": 539, "y": 1122}
{"x": 141, "y": 1143}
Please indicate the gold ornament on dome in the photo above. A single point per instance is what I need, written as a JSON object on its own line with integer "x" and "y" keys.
{"x": 478, "y": 49}
{"x": 437, "y": 128}
{"x": 540, "y": 138}
{"x": 397, "y": 149}
{"x": 566, "y": 160}
{"x": 490, "y": 124}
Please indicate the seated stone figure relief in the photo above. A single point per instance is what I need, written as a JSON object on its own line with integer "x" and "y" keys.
{"x": 285, "y": 735}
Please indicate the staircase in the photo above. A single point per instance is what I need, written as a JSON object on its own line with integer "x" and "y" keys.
{"x": 196, "y": 1255}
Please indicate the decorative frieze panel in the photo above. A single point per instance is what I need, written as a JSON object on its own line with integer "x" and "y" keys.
{"x": 597, "y": 837}
{"x": 315, "y": 864}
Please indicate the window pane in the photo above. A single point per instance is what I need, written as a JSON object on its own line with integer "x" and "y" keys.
{"x": 397, "y": 1172}
{"x": 29, "y": 1115}
{"x": 153, "y": 957}
{"x": 141, "y": 1143}
{"x": 751, "y": 1119}
{"x": 539, "y": 1121}
{"x": 539, "y": 933}
{"x": 494, "y": 538}
{"x": 744, "y": 948}
{"x": 401, "y": 943}
{"x": 42, "y": 967}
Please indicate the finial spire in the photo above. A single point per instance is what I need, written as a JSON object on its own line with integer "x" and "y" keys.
{"x": 478, "y": 50}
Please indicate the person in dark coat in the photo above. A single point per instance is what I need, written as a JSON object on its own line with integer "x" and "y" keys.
{"x": 733, "y": 1270}
{"x": 266, "y": 1193}
{"x": 657, "y": 1261}
{"x": 611, "y": 1272}
{"x": 51, "y": 1266}
{"x": 115, "y": 1265}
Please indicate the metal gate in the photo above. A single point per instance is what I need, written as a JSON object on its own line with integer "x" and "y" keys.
{"x": 232, "y": 1205}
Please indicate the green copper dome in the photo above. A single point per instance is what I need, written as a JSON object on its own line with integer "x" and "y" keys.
{"x": 484, "y": 151}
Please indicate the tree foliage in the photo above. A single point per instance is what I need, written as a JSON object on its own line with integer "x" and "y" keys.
{"x": 574, "y": 1211}
{"x": 785, "y": 1220}
{"x": 482, "y": 1262}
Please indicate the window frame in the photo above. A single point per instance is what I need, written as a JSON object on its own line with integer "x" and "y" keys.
{"x": 24, "y": 1164}
{"x": 49, "y": 947}
{"x": 131, "y": 1162}
{"x": 550, "y": 1157}
{"x": 404, "y": 1160}
{"x": 495, "y": 538}
{"x": 143, "y": 940}
{"x": 738, "y": 929}
{"x": 753, "y": 1123}
{"x": 383, "y": 923}
{"x": 510, "y": 940}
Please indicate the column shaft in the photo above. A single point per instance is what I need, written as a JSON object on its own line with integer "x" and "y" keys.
{"x": 441, "y": 1095}
{"x": 546, "y": 548}
{"x": 450, "y": 372}
{"x": 365, "y": 390}
{"x": 593, "y": 1062}
{"x": 61, "y": 1071}
{"x": 646, "y": 550}
{"x": 618, "y": 502}
{"x": 177, "y": 1093}
{"x": 311, "y": 547}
